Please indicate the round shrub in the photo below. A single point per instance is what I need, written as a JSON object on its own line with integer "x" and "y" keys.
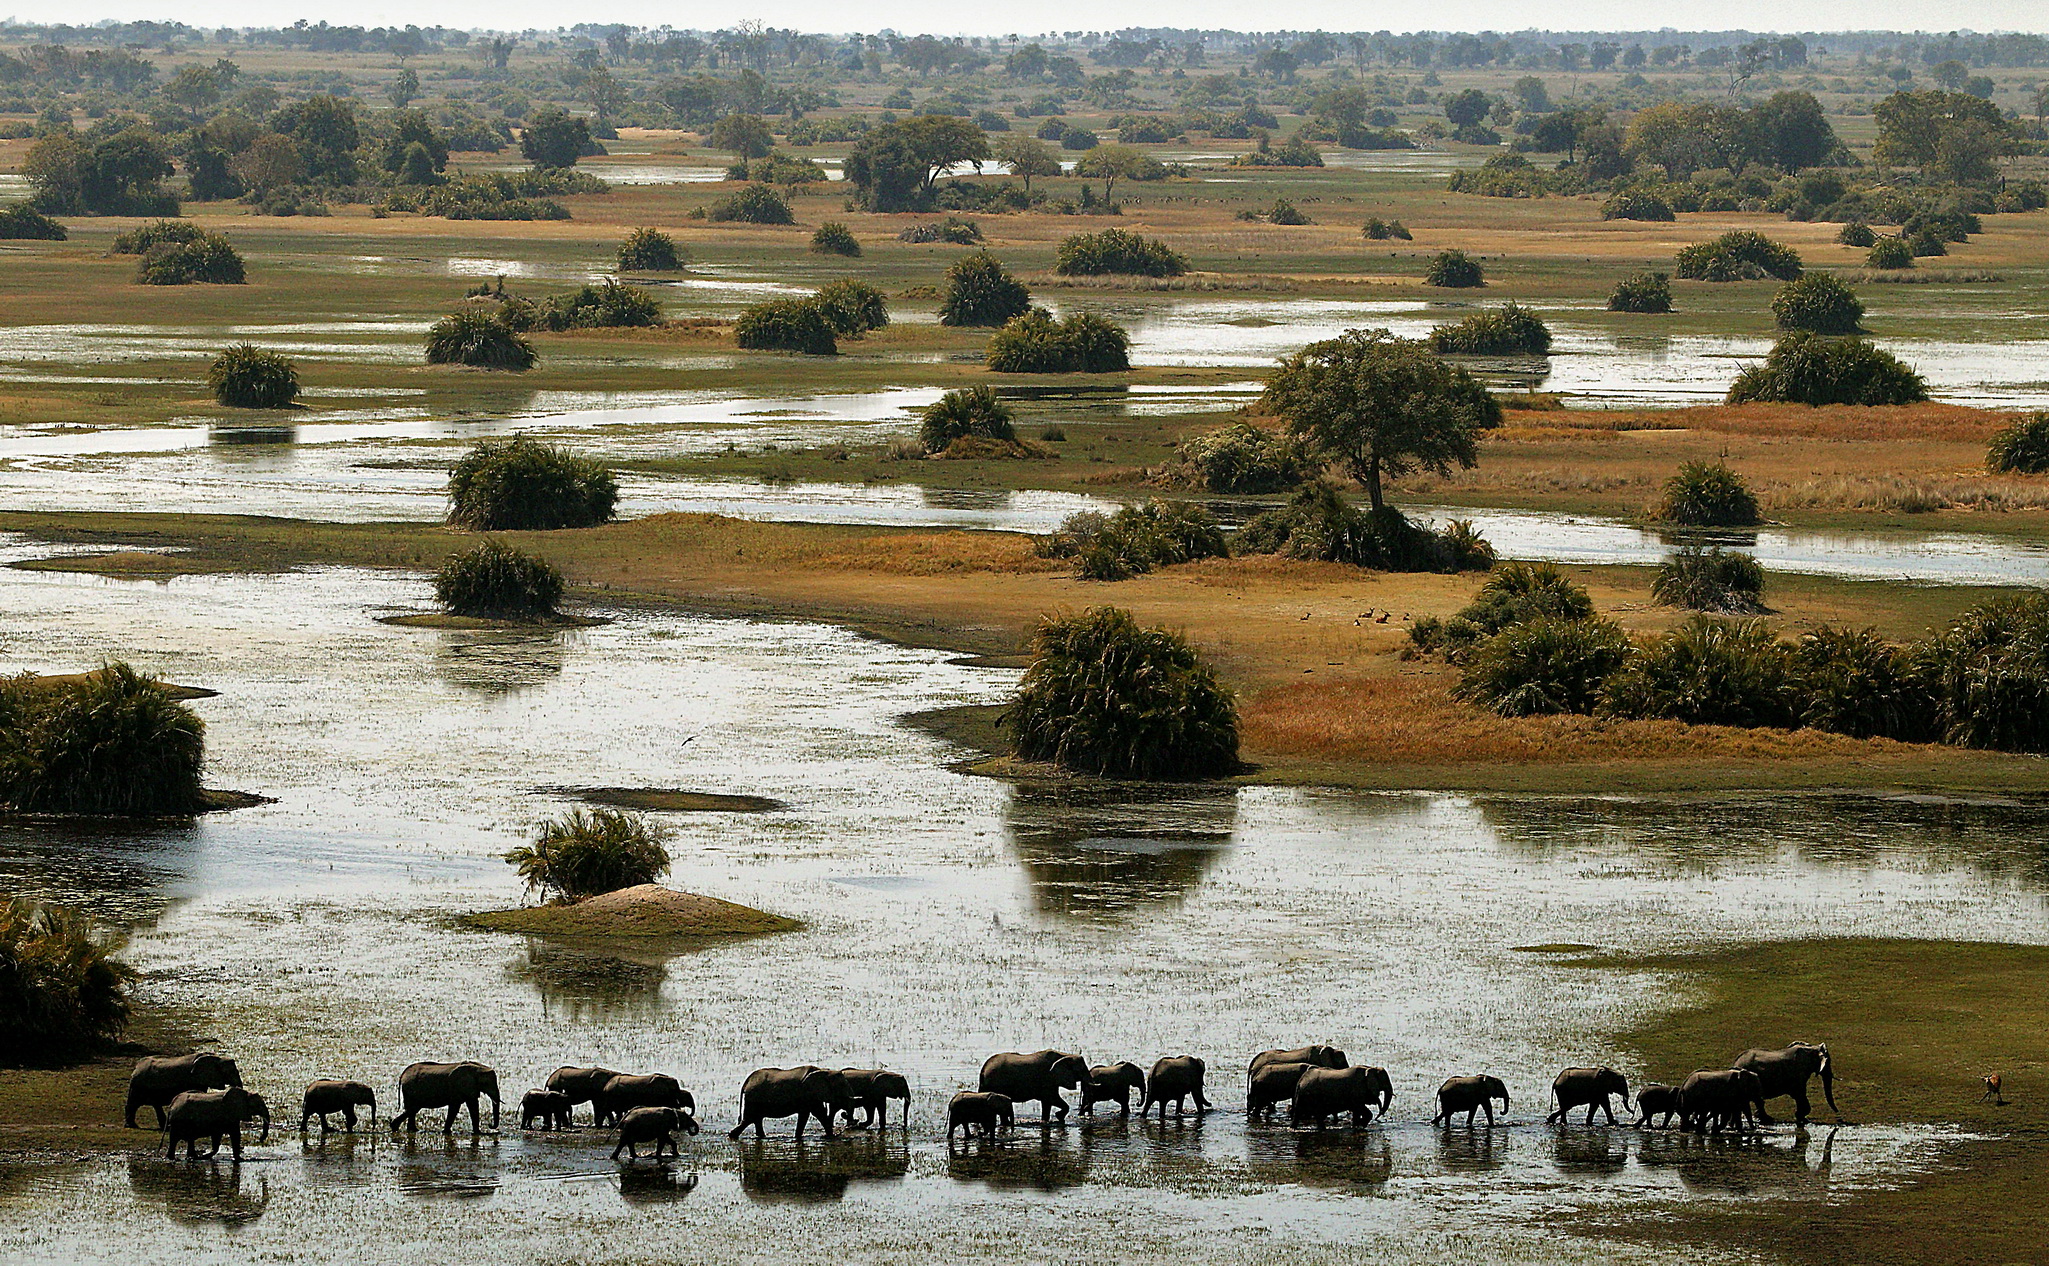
{"x": 969, "y": 411}
{"x": 523, "y": 485}
{"x": 1856, "y": 233}
{"x": 208, "y": 260}
{"x": 1513, "y": 331}
{"x": 1818, "y": 303}
{"x": 1454, "y": 270}
{"x": 587, "y": 853}
{"x": 1117, "y": 251}
{"x": 1926, "y": 245}
{"x": 1242, "y": 458}
{"x": 1813, "y": 369}
{"x": 112, "y": 742}
{"x": 1642, "y": 292}
{"x": 1708, "y": 672}
{"x": 63, "y": 994}
{"x": 23, "y": 223}
{"x": 787, "y": 325}
{"x": 496, "y": 581}
{"x": 1725, "y": 582}
{"x": 1636, "y": 204}
{"x": 1104, "y": 696}
{"x": 1037, "y": 344}
{"x": 479, "y": 339}
{"x": 1378, "y": 230}
{"x": 834, "y": 238}
{"x": 1989, "y": 675}
{"x": 143, "y": 239}
{"x": 979, "y": 292}
{"x": 1136, "y": 539}
{"x": 1286, "y": 212}
{"x": 1317, "y": 524}
{"x": 2021, "y": 449}
{"x": 1516, "y": 593}
{"x": 1707, "y": 494}
{"x": 952, "y": 231}
{"x": 852, "y": 307}
{"x": 1739, "y": 256}
{"x": 755, "y": 204}
{"x": 1857, "y": 683}
{"x": 648, "y": 250}
{"x": 1890, "y": 252}
{"x": 247, "y": 377}
{"x": 1543, "y": 666}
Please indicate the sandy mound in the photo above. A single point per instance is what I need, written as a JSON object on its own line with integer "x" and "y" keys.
{"x": 648, "y": 910}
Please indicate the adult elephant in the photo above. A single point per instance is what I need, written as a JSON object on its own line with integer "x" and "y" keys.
{"x": 1717, "y": 1098}
{"x": 1786, "y": 1072}
{"x": 871, "y": 1089}
{"x": 1323, "y": 1093}
{"x": 214, "y": 1114}
{"x": 582, "y": 1085}
{"x": 802, "y": 1092}
{"x": 1272, "y": 1084}
{"x": 1588, "y": 1087}
{"x": 323, "y": 1098}
{"x": 1038, "y": 1077}
{"x": 1175, "y": 1079}
{"x": 424, "y": 1087}
{"x": 158, "y": 1079}
{"x": 1469, "y": 1095}
{"x": 1314, "y": 1056}
{"x": 1111, "y": 1083}
{"x": 627, "y": 1091}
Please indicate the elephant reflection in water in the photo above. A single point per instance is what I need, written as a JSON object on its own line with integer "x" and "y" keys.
{"x": 1741, "y": 1163}
{"x": 1333, "y": 1159}
{"x": 1590, "y": 1150}
{"x": 658, "y": 1185}
{"x": 1031, "y": 1162}
{"x": 1090, "y": 853}
{"x": 777, "y": 1171}
{"x": 1467, "y": 1147}
{"x": 203, "y": 1194}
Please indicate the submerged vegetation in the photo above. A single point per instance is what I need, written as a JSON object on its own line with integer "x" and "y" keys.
{"x": 522, "y": 485}
{"x": 590, "y": 852}
{"x": 110, "y": 742}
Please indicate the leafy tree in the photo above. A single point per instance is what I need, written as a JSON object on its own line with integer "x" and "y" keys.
{"x": 745, "y": 136}
{"x": 55, "y": 168}
{"x": 410, "y": 128}
{"x": 1383, "y": 406}
{"x": 1468, "y": 109}
{"x": 649, "y": 250}
{"x": 1026, "y": 157}
{"x": 1791, "y": 132}
{"x": 1108, "y": 163}
{"x": 1950, "y": 135}
{"x": 554, "y": 139}
{"x": 1684, "y": 137}
{"x": 273, "y": 161}
{"x": 325, "y": 129}
{"x": 404, "y": 89}
{"x": 894, "y": 167}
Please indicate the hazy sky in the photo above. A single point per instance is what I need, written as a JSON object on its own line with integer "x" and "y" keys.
{"x": 952, "y": 17}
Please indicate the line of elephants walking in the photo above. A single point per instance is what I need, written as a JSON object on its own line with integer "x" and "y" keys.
{"x": 201, "y": 1096}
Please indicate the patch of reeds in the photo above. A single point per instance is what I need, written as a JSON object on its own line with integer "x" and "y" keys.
{"x": 496, "y": 581}
{"x": 588, "y": 852}
{"x": 1543, "y": 666}
{"x": 979, "y": 292}
{"x": 1516, "y": 593}
{"x": 648, "y": 250}
{"x": 481, "y": 340}
{"x": 1707, "y": 494}
{"x": 522, "y": 485}
{"x": 1239, "y": 458}
{"x": 1709, "y": 672}
{"x": 63, "y": 994}
{"x": 1318, "y": 524}
{"x": 111, "y": 742}
{"x": 247, "y": 377}
{"x": 1716, "y": 580}
{"x": 969, "y": 411}
{"x": 1135, "y": 540}
{"x": 2022, "y": 448}
{"x": 1813, "y": 369}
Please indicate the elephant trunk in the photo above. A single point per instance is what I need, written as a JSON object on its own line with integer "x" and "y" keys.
{"x": 264, "y": 1112}
{"x": 494, "y": 1108}
{"x": 1828, "y": 1084}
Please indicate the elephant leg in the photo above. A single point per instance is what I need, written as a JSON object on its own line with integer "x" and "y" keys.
{"x": 348, "y": 1118}
{"x": 1800, "y": 1110}
{"x": 1059, "y": 1106}
{"x": 1603, "y": 1103}
{"x": 476, "y": 1125}
{"x": 235, "y": 1143}
{"x": 158, "y": 1108}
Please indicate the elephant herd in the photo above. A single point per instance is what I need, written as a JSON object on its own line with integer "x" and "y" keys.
{"x": 202, "y": 1095}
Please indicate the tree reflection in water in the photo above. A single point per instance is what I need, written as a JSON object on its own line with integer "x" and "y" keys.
{"x": 1106, "y": 854}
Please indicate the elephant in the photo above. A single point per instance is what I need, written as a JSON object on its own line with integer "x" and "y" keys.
{"x": 1469, "y": 1095}
{"x": 550, "y": 1106}
{"x": 1322, "y": 1093}
{"x": 651, "y": 1125}
{"x": 802, "y": 1092}
{"x": 158, "y": 1079}
{"x": 1589, "y": 1086}
{"x": 1039, "y": 1076}
{"x": 1175, "y": 1078}
{"x": 871, "y": 1089}
{"x": 325, "y": 1097}
{"x": 653, "y": 1090}
{"x": 1785, "y": 1072}
{"x": 1107, "y": 1082}
{"x": 212, "y": 1113}
{"x": 582, "y": 1086}
{"x": 972, "y": 1108}
{"x": 1317, "y": 1056}
{"x": 1272, "y": 1083}
{"x": 423, "y": 1087}
{"x": 1654, "y": 1101}
{"x": 1715, "y": 1099}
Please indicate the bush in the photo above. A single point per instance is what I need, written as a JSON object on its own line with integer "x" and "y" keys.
{"x": 63, "y": 995}
{"x": 1513, "y": 331}
{"x": 496, "y": 581}
{"x": 1516, "y": 593}
{"x": 1318, "y": 524}
{"x": 1707, "y": 494}
{"x": 1286, "y": 212}
{"x": 2021, "y": 449}
{"x": 1636, "y": 204}
{"x": 834, "y": 238}
{"x": 479, "y": 339}
{"x": 1890, "y": 252}
{"x": 1819, "y": 303}
{"x": 1454, "y": 270}
{"x": 23, "y": 223}
{"x": 146, "y": 238}
{"x": 1642, "y": 292}
{"x": 649, "y": 251}
{"x": 1378, "y": 230}
{"x": 607, "y": 305}
{"x": 852, "y": 307}
{"x": 1725, "y": 582}
{"x": 247, "y": 377}
{"x": 970, "y": 411}
{"x": 591, "y": 852}
{"x": 1739, "y": 256}
{"x": 523, "y": 485}
{"x": 1812, "y": 369}
{"x": 1988, "y": 674}
{"x": 1854, "y": 682}
{"x": 1856, "y": 233}
{"x": 980, "y": 293}
{"x": 1709, "y": 672}
{"x": 1117, "y": 251}
{"x": 1037, "y": 344}
{"x": 1105, "y": 697}
{"x": 208, "y": 260}
{"x": 1542, "y": 666}
{"x": 952, "y": 231}
{"x": 1136, "y": 539}
{"x": 756, "y": 204}
{"x": 787, "y": 325}
{"x": 1243, "y": 458}
{"x": 112, "y": 742}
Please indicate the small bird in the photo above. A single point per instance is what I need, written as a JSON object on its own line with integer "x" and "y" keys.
{"x": 1992, "y": 1090}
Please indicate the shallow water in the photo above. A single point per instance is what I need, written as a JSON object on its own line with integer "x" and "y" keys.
{"x": 947, "y": 917}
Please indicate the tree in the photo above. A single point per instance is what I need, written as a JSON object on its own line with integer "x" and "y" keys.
{"x": 744, "y": 136}
{"x": 1026, "y": 158}
{"x": 1467, "y": 109}
{"x": 1384, "y": 406}
{"x": 554, "y": 139}
{"x": 1685, "y": 137}
{"x": 1952, "y": 135}
{"x": 1791, "y": 132}
{"x": 325, "y": 128}
{"x": 894, "y": 167}
{"x": 410, "y": 128}
{"x": 271, "y": 162}
{"x": 55, "y": 166}
{"x": 1109, "y": 162}
{"x": 120, "y": 175}
{"x": 405, "y": 89}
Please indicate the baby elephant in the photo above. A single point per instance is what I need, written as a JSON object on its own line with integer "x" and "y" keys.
{"x": 552, "y": 1107}
{"x": 217, "y": 1114}
{"x": 1111, "y": 1083}
{"x": 1589, "y": 1086}
{"x": 972, "y": 1108}
{"x": 325, "y": 1097}
{"x": 1656, "y": 1101}
{"x": 652, "y": 1125}
{"x": 1469, "y": 1095}
{"x": 1174, "y": 1080}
